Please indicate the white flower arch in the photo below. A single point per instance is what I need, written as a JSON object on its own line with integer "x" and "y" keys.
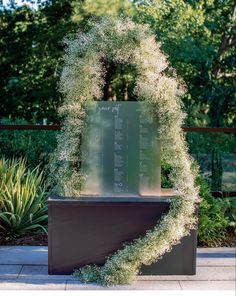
{"x": 82, "y": 81}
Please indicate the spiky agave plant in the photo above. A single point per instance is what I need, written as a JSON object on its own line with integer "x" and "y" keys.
{"x": 23, "y": 195}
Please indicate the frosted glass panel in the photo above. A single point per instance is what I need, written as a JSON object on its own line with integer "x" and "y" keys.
{"x": 120, "y": 150}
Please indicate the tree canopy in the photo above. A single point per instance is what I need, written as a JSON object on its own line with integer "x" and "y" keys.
{"x": 198, "y": 36}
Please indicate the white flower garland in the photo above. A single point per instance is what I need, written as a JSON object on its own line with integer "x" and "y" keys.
{"x": 82, "y": 80}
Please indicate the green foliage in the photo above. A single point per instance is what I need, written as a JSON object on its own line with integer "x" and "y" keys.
{"x": 23, "y": 198}
{"x": 35, "y": 146}
{"x": 32, "y": 52}
{"x": 206, "y": 142}
{"x": 231, "y": 212}
{"x": 199, "y": 38}
{"x": 216, "y": 171}
{"x": 214, "y": 153}
{"x": 213, "y": 221}
{"x": 216, "y": 215}
{"x": 87, "y": 9}
{"x": 165, "y": 175}
{"x": 30, "y": 59}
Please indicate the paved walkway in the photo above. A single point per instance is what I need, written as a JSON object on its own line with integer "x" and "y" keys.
{"x": 26, "y": 268}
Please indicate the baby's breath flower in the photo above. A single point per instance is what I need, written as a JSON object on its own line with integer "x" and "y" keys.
{"x": 82, "y": 81}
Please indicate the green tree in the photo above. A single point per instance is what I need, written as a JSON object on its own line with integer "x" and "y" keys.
{"x": 199, "y": 37}
{"x": 32, "y": 50}
{"x": 89, "y": 9}
{"x": 120, "y": 79}
{"x": 30, "y": 59}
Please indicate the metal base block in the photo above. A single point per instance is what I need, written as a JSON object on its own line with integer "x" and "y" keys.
{"x": 86, "y": 230}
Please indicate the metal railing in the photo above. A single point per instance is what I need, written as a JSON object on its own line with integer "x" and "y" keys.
{"x": 58, "y": 127}
{"x": 185, "y": 129}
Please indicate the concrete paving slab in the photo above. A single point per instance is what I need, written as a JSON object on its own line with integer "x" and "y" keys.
{"x": 24, "y": 255}
{"x": 216, "y": 256}
{"x": 215, "y": 262}
{"x": 222, "y": 252}
{"x": 32, "y": 270}
{"x": 208, "y": 285}
{"x": 25, "y": 267}
{"x": 137, "y": 285}
{"x": 41, "y": 272}
{"x": 9, "y": 271}
{"x": 213, "y": 273}
{"x": 32, "y": 284}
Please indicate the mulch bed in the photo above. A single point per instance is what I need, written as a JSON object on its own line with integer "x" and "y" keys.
{"x": 230, "y": 240}
{"x": 42, "y": 240}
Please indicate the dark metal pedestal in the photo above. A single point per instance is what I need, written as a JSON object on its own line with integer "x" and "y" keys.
{"x": 86, "y": 230}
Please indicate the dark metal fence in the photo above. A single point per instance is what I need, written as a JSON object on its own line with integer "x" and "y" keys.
{"x": 58, "y": 127}
{"x": 185, "y": 129}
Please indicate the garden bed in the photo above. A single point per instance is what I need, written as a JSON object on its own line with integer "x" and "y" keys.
{"x": 41, "y": 239}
